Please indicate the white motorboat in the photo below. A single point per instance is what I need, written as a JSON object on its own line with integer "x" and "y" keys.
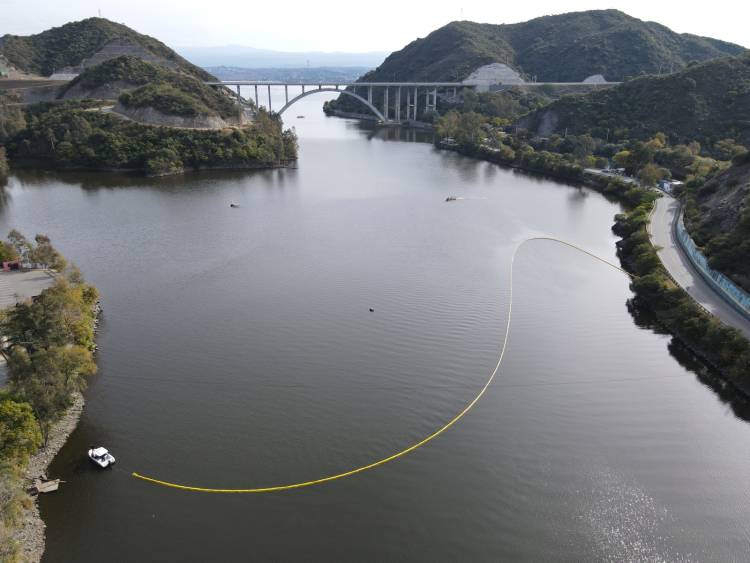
{"x": 101, "y": 457}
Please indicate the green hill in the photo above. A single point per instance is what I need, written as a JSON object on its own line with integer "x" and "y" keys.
{"x": 88, "y": 42}
{"x": 706, "y": 102}
{"x": 561, "y": 48}
{"x": 718, "y": 218}
{"x": 72, "y": 135}
{"x": 138, "y": 84}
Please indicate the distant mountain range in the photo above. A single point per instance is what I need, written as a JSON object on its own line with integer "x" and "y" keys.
{"x": 562, "y": 48}
{"x": 250, "y": 57}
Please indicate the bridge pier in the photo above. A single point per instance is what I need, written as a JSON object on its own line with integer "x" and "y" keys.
{"x": 239, "y": 105}
{"x": 430, "y": 100}
{"x": 398, "y": 104}
{"x": 388, "y": 114}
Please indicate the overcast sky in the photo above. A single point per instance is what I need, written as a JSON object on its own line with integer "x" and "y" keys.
{"x": 332, "y": 25}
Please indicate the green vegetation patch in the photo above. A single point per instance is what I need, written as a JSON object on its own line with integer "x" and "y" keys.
{"x": 168, "y": 91}
{"x": 71, "y": 136}
{"x": 706, "y": 102}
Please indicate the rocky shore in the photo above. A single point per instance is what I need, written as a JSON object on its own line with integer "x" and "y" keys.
{"x": 30, "y": 531}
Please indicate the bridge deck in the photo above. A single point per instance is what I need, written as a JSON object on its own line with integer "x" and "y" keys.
{"x": 393, "y": 84}
{"x": 272, "y": 83}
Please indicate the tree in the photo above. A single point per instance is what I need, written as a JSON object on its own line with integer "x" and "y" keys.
{"x": 47, "y": 379}
{"x": 622, "y": 158}
{"x": 447, "y": 126}
{"x": 727, "y": 149}
{"x": 650, "y": 174}
{"x": 58, "y": 316}
{"x": 7, "y": 252}
{"x": 43, "y": 389}
{"x": 658, "y": 142}
{"x": 19, "y": 431}
{"x": 20, "y": 244}
{"x": 45, "y": 253}
{"x": 4, "y": 168}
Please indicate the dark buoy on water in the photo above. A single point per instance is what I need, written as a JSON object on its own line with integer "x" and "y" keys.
{"x": 372, "y": 310}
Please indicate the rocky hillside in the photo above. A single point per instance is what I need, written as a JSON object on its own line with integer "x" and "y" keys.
{"x": 563, "y": 48}
{"x": 718, "y": 218}
{"x": 154, "y": 94}
{"x": 706, "y": 102}
{"x": 75, "y": 46}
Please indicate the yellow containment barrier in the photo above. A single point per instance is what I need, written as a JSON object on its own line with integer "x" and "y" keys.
{"x": 413, "y": 447}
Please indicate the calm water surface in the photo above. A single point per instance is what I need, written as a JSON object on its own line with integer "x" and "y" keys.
{"x": 237, "y": 350}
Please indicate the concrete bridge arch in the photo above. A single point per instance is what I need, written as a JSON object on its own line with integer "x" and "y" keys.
{"x": 371, "y": 107}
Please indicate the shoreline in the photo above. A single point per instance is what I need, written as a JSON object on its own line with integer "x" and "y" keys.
{"x": 408, "y": 123}
{"x": 593, "y": 183}
{"x": 30, "y": 533}
{"x": 35, "y": 164}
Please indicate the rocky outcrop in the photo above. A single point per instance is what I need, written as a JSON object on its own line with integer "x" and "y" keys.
{"x": 724, "y": 199}
{"x": 115, "y": 48}
{"x": 150, "y": 116}
{"x": 595, "y": 79}
{"x": 109, "y": 91}
{"x": 542, "y": 123}
{"x": 493, "y": 74}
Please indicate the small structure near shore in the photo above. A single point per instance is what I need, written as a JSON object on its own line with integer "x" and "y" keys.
{"x": 41, "y": 485}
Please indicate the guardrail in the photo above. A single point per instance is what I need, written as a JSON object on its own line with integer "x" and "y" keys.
{"x": 731, "y": 292}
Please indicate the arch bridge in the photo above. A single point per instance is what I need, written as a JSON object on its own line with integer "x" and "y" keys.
{"x": 362, "y": 91}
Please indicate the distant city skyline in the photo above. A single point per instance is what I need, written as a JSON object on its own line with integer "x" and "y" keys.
{"x": 336, "y": 26}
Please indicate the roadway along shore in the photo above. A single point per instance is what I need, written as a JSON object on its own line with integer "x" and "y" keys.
{"x": 662, "y": 234}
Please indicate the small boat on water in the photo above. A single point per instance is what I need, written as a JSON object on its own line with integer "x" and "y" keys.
{"x": 101, "y": 457}
{"x": 234, "y": 205}
{"x": 300, "y": 117}
{"x": 451, "y": 198}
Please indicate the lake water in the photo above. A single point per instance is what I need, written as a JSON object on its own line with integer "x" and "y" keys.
{"x": 237, "y": 350}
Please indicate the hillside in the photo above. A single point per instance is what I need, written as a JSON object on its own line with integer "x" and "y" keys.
{"x": 141, "y": 85}
{"x": 70, "y": 135}
{"x": 718, "y": 218}
{"x": 71, "y": 48}
{"x": 706, "y": 102}
{"x": 561, "y": 48}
